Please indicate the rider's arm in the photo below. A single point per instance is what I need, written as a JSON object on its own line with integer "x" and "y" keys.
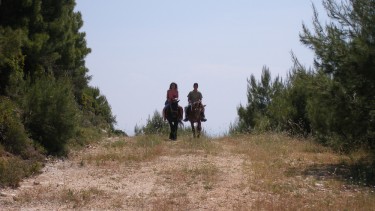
{"x": 168, "y": 94}
{"x": 189, "y": 98}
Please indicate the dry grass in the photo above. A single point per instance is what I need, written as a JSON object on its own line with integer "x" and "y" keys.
{"x": 70, "y": 198}
{"x": 257, "y": 172}
{"x": 296, "y": 174}
{"x": 13, "y": 169}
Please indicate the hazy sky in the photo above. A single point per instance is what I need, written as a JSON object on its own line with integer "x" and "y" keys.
{"x": 140, "y": 46}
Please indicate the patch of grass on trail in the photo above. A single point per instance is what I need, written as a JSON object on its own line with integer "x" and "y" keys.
{"x": 126, "y": 150}
{"x": 296, "y": 174}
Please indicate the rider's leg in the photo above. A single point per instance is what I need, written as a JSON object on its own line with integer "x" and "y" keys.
{"x": 166, "y": 104}
{"x": 203, "y": 117}
{"x": 187, "y": 108}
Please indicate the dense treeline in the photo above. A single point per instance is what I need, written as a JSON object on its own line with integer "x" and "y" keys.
{"x": 45, "y": 99}
{"x": 334, "y": 101}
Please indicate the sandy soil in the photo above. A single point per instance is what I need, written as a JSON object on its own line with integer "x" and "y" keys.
{"x": 185, "y": 181}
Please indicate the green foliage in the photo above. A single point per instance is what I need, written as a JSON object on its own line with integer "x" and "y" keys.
{"x": 334, "y": 102}
{"x": 345, "y": 64}
{"x": 276, "y": 106}
{"x": 96, "y": 109}
{"x": 13, "y": 170}
{"x": 119, "y": 132}
{"x": 255, "y": 116}
{"x": 154, "y": 125}
{"x": 11, "y": 61}
{"x": 53, "y": 41}
{"x": 12, "y": 133}
{"x": 38, "y": 39}
{"x": 85, "y": 136}
{"x": 288, "y": 108}
{"x": 51, "y": 113}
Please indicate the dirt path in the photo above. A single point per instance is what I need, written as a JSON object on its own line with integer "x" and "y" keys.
{"x": 170, "y": 181}
{"x": 258, "y": 172}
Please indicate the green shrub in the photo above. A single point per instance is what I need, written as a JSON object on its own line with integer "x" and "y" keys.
{"x": 154, "y": 125}
{"x": 51, "y": 114}
{"x": 288, "y": 108}
{"x": 13, "y": 136}
{"x": 255, "y": 116}
{"x": 85, "y": 136}
{"x": 13, "y": 170}
{"x": 96, "y": 109}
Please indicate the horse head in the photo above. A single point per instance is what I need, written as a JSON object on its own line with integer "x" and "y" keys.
{"x": 174, "y": 104}
{"x": 175, "y": 101}
{"x": 195, "y": 117}
{"x": 196, "y": 109}
{"x": 175, "y": 111}
{"x": 197, "y": 106}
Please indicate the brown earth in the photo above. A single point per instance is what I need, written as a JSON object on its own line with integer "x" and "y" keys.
{"x": 121, "y": 174}
{"x": 166, "y": 182}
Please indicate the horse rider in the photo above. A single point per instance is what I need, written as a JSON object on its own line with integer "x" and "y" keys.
{"x": 194, "y": 96}
{"x": 172, "y": 93}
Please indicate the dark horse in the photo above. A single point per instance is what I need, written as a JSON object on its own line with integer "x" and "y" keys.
{"x": 194, "y": 116}
{"x": 173, "y": 113}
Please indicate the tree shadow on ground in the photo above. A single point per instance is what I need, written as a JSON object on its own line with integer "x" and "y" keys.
{"x": 361, "y": 173}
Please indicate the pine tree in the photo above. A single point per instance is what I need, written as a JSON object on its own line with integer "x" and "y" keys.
{"x": 40, "y": 41}
{"x": 53, "y": 45}
{"x": 345, "y": 54}
{"x": 259, "y": 96}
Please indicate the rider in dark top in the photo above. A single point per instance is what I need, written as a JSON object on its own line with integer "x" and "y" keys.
{"x": 193, "y": 97}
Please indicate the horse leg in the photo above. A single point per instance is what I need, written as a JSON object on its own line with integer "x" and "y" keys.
{"x": 175, "y": 125}
{"x": 171, "y": 130}
{"x": 172, "y": 134}
{"x": 192, "y": 128}
{"x": 199, "y": 128}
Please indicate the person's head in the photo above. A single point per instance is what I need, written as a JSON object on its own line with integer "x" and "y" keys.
{"x": 195, "y": 85}
{"x": 173, "y": 85}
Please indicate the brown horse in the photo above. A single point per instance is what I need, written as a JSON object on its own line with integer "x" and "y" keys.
{"x": 194, "y": 116}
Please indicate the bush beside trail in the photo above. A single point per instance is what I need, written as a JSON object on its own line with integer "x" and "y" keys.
{"x": 46, "y": 103}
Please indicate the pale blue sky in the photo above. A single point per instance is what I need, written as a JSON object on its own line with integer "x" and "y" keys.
{"x": 140, "y": 46}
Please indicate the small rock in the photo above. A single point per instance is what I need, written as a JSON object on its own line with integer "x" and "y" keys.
{"x": 3, "y": 194}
